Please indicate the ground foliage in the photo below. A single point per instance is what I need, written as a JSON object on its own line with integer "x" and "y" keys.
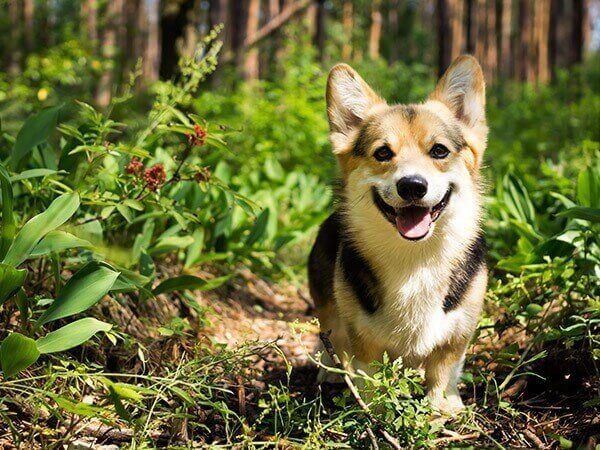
{"x": 116, "y": 224}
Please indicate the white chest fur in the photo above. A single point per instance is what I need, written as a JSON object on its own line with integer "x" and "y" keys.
{"x": 414, "y": 278}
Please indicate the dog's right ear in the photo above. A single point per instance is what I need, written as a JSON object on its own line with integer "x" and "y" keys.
{"x": 349, "y": 101}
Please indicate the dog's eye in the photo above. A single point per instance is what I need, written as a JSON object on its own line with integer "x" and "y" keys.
{"x": 383, "y": 153}
{"x": 438, "y": 151}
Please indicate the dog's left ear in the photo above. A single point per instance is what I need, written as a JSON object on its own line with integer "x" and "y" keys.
{"x": 462, "y": 90}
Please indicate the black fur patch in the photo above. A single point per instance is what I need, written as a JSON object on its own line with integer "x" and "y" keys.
{"x": 321, "y": 262}
{"x": 362, "y": 141}
{"x": 360, "y": 276}
{"x": 461, "y": 279}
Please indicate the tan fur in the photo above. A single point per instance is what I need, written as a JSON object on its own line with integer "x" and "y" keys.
{"x": 413, "y": 275}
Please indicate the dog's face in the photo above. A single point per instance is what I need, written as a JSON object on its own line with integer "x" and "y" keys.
{"x": 412, "y": 161}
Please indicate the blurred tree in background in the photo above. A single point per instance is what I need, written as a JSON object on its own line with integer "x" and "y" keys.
{"x": 514, "y": 39}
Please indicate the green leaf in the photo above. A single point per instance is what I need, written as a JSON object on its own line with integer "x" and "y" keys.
{"x": 588, "y": 188}
{"x": 195, "y": 250}
{"x": 259, "y": 228}
{"x": 83, "y": 290}
{"x": 9, "y": 225}
{"x": 35, "y": 130}
{"x": 59, "y": 211}
{"x": 17, "y": 353}
{"x": 583, "y": 213}
{"x": 184, "y": 282}
{"x": 71, "y": 335}
{"x": 11, "y": 280}
{"x": 80, "y": 408}
{"x": 57, "y": 241}
{"x": 125, "y": 212}
{"x": 34, "y": 173}
{"x": 171, "y": 243}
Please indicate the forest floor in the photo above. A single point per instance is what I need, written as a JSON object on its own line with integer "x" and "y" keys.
{"x": 532, "y": 412}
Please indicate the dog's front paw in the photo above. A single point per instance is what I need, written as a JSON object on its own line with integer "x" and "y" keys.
{"x": 448, "y": 405}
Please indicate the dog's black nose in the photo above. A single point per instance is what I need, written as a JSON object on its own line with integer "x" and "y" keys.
{"x": 412, "y": 187}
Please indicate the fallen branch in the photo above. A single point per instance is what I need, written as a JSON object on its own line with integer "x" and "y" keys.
{"x": 456, "y": 438}
{"x": 354, "y": 391}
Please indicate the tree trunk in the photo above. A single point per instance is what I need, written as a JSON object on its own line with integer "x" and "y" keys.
{"x": 491, "y": 41}
{"x": 542, "y": 25}
{"x": 251, "y": 61}
{"x": 347, "y": 25}
{"x": 457, "y": 17}
{"x": 151, "y": 63}
{"x": 375, "y": 31}
{"x": 394, "y": 30}
{"x": 14, "y": 53}
{"x": 320, "y": 32}
{"x": 173, "y": 25}
{"x": 505, "y": 57}
{"x": 219, "y": 15}
{"x": 89, "y": 11}
{"x": 109, "y": 43}
{"x": 443, "y": 32}
{"x": 579, "y": 31}
{"x": 29, "y": 29}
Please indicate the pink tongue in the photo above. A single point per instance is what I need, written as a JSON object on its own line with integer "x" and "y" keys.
{"x": 413, "y": 223}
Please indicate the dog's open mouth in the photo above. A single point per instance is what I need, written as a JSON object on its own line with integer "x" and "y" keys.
{"x": 412, "y": 222}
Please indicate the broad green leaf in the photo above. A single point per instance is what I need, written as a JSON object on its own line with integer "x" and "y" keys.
{"x": 11, "y": 279}
{"x": 57, "y": 241}
{"x": 59, "y": 211}
{"x": 583, "y": 213}
{"x": 83, "y": 290}
{"x": 259, "y": 228}
{"x": 71, "y": 335}
{"x": 588, "y": 188}
{"x": 80, "y": 408}
{"x": 125, "y": 212}
{"x": 9, "y": 225}
{"x": 195, "y": 250}
{"x": 34, "y": 173}
{"x": 171, "y": 243}
{"x": 184, "y": 282}
{"x": 17, "y": 353}
{"x": 35, "y": 130}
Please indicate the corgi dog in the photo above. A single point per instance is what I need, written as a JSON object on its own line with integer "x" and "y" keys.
{"x": 399, "y": 266}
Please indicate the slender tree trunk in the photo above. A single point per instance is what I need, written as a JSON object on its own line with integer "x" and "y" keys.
{"x": 89, "y": 11}
{"x": 491, "y": 41}
{"x": 394, "y": 29}
{"x": 109, "y": 44}
{"x": 375, "y": 30}
{"x": 132, "y": 46}
{"x": 542, "y": 26}
{"x": 347, "y": 25}
{"x": 320, "y": 31}
{"x": 443, "y": 32}
{"x": 151, "y": 63}
{"x": 219, "y": 15}
{"x": 43, "y": 26}
{"x": 29, "y": 29}
{"x": 480, "y": 32}
{"x": 457, "y": 18}
{"x": 173, "y": 26}
{"x": 14, "y": 53}
{"x": 251, "y": 61}
{"x": 505, "y": 57}
{"x": 579, "y": 30}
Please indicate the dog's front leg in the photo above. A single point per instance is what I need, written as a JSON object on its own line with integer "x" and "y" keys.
{"x": 442, "y": 371}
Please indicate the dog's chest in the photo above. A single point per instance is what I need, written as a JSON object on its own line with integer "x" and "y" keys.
{"x": 410, "y": 320}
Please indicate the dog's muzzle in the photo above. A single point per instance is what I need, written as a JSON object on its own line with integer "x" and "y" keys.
{"x": 413, "y": 222}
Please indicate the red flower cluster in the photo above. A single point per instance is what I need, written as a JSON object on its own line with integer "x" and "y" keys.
{"x": 198, "y": 137}
{"x": 135, "y": 166}
{"x": 155, "y": 177}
